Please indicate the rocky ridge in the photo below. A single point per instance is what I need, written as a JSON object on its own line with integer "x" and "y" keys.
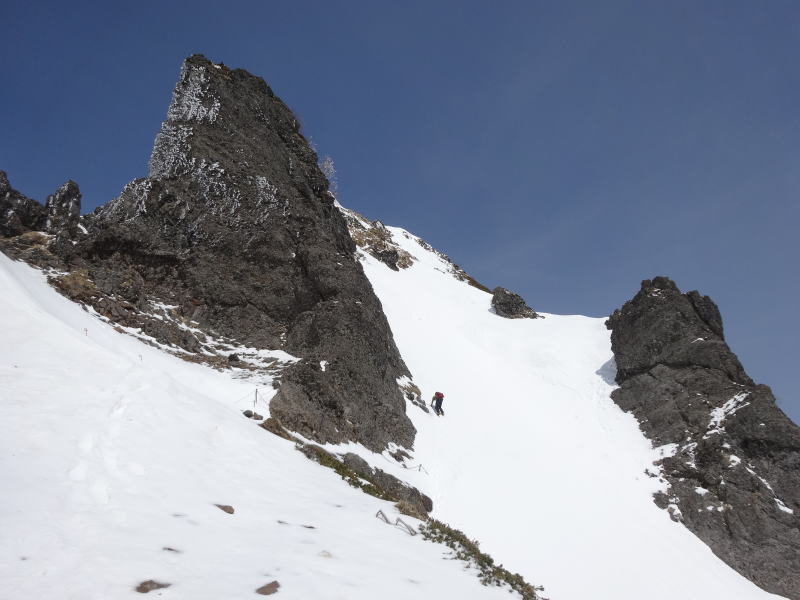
{"x": 731, "y": 456}
{"x": 373, "y": 238}
{"x": 19, "y": 214}
{"x": 233, "y": 243}
{"x": 234, "y": 252}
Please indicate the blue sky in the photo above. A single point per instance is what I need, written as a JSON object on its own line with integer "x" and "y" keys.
{"x": 565, "y": 150}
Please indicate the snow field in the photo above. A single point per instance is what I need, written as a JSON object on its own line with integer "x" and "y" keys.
{"x": 115, "y": 453}
{"x": 533, "y": 458}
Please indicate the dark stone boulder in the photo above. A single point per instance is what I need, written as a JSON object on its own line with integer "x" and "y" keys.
{"x": 734, "y": 460}
{"x": 148, "y": 586}
{"x": 269, "y": 588}
{"x": 510, "y": 305}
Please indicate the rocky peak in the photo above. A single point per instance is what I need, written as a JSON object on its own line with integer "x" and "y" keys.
{"x": 235, "y": 229}
{"x": 20, "y": 214}
{"x": 730, "y": 454}
{"x": 226, "y": 121}
{"x": 660, "y": 325}
{"x": 63, "y": 210}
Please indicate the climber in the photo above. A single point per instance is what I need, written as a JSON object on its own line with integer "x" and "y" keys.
{"x": 436, "y": 403}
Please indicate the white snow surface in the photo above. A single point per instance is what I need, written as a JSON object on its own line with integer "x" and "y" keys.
{"x": 113, "y": 451}
{"x": 532, "y": 457}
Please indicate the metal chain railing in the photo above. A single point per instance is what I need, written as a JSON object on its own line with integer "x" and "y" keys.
{"x": 397, "y": 523}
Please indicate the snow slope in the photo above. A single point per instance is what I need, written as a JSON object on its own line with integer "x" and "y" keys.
{"x": 113, "y": 455}
{"x": 533, "y": 458}
{"x": 113, "y": 451}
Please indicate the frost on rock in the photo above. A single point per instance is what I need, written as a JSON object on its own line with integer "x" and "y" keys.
{"x": 171, "y": 150}
{"x": 191, "y": 100}
{"x": 267, "y": 200}
{"x": 139, "y": 192}
{"x": 131, "y": 203}
{"x": 211, "y": 179}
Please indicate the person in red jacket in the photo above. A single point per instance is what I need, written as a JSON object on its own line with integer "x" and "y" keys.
{"x": 436, "y": 403}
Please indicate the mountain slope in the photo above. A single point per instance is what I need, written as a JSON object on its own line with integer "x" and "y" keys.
{"x": 115, "y": 454}
{"x": 118, "y": 451}
{"x": 234, "y": 255}
{"x": 235, "y": 229}
{"x": 533, "y": 455}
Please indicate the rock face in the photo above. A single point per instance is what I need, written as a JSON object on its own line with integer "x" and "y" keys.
{"x": 510, "y": 305}
{"x": 64, "y": 210}
{"x": 235, "y": 230}
{"x": 732, "y": 457}
{"x": 19, "y": 214}
{"x": 375, "y": 239}
{"x": 391, "y": 484}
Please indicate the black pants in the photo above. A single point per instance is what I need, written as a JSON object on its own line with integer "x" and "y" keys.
{"x": 437, "y": 406}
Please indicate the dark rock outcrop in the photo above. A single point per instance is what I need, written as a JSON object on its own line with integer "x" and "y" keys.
{"x": 398, "y": 489}
{"x": 510, "y": 305}
{"x": 19, "y": 214}
{"x": 732, "y": 457}
{"x": 375, "y": 239}
{"x": 64, "y": 210}
{"x": 234, "y": 230}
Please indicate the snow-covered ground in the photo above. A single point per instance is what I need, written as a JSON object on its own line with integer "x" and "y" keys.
{"x": 533, "y": 458}
{"x": 113, "y": 455}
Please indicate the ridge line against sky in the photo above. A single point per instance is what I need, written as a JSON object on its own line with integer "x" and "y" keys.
{"x": 563, "y": 150}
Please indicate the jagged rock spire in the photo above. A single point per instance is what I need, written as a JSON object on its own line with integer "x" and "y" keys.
{"x": 236, "y": 225}
{"x": 731, "y": 455}
{"x": 19, "y": 214}
{"x": 63, "y": 209}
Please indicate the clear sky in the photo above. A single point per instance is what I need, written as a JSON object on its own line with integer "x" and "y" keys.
{"x": 564, "y": 150}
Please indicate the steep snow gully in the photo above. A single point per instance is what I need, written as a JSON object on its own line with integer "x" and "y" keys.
{"x": 115, "y": 454}
{"x": 533, "y": 458}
